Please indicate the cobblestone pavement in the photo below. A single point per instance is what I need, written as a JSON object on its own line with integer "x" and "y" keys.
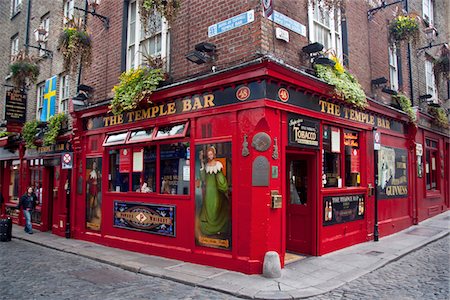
{"x": 423, "y": 274}
{"x": 29, "y": 271}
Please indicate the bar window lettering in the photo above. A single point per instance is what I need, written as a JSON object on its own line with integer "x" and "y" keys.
{"x": 331, "y": 157}
{"x": 352, "y": 158}
{"x": 174, "y": 169}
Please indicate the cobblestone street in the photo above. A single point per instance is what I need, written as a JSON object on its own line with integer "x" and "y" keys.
{"x": 423, "y": 274}
{"x": 29, "y": 271}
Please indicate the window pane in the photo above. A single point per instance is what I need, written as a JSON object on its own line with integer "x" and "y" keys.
{"x": 149, "y": 169}
{"x": 352, "y": 158}
{"x": 331, "y": 159}
{"x": 140, "y": 135}
{"x": 175, "y": 170}
{"x": 169, "y": 131}
{"x": 427, "y": 169}
{"x": 119, "y": 170}
{"x": 116, "y": 138}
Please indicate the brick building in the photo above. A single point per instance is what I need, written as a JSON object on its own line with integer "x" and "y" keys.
{"x": 249, "y": 151}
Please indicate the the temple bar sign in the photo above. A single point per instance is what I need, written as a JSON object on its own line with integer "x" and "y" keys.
{"x": 16, "y": 106}
{"x": 303, "y": 132}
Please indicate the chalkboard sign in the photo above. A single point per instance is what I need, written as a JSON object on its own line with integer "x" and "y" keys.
{"x": 16, "y": 106}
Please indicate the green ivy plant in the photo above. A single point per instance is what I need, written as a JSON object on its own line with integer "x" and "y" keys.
{"x": 166, "y": 8}
{"x": 133, "y": 87}
{"x": 440, "y": 117}
{"x": 29, "y": 131}
{"x": 345, "y": 84}
{"x": 75, "y": 44}
{"x": 54, "y": 127}
{"x": 4, "y": 134}
{"x": 24, "y": 70}
{"x": 441, "y": 65}
{"x": 404, "y": 28}
{"x": 406, "y": 106}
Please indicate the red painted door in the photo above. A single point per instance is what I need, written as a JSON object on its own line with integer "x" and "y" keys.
{"x": 301, "y": 176}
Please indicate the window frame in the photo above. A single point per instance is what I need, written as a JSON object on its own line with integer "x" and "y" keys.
{"x": 428, "y": 11}
{"x": 16, "y": 7}
{"x": 40, "y": 88}
{"x": 432, "y": 176}
{"x": 393, "y": 68}
{"x": 430, "y": 80}
{"x": 135, "y": 59}
{"x": 64, "y": 93}
{"x": 14, "y": 46}
{"x": 45, "y": 24}
{"x": 334, "y": 30}
{"x": 68, "y": 10}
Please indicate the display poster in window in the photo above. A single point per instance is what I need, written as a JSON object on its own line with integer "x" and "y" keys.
{"x": 303, "y": 132}
{"x": 125, "y": 161}
{"x": 213, "y": 195}
{"x": 335, "y": 140}
{"x": 145, "y": 217}
{"x": 342, "y": 209}
{"x": 392, "y": 173}
{"x": 354, "y": 161}
{"x": 93, "y": 193}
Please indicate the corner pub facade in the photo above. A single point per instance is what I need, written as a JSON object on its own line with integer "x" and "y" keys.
{"x": 258, "y": 158}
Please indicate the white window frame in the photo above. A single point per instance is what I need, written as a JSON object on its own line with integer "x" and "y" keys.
{"x": 16, "y": 6}
{"x": 69, "y": 10}
{"x": 45, "y": 24}
{"x": 64, "y": 93}
{"x": 134, "y": 46}
{"x": 14, "y": 46}
{"x": 334, "y": 36}
{"x": 427, "y": 11}
{"x": 430, "y": 81}
{"x": 393, "y": 67}
{"x": 39, "y": 100}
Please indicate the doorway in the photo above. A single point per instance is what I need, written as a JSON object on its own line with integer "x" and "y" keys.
{"x": 301, "y": 203}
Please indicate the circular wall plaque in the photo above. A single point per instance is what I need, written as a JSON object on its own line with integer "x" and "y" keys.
{"x": 261, "y": 141}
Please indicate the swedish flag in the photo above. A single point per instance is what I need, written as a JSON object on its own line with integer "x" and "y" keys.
{"x": 49, "y": 105}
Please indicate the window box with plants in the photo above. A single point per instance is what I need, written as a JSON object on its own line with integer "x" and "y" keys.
{"x": 440, "y": 117}
{"x": 134, "y": 86}
{"x": 24, "y": 70}
{"x": 54, "y": 128}
{"x": 29, "y": 132}
{"x": 346, "y": 86}
{"x": 406, "y": 106}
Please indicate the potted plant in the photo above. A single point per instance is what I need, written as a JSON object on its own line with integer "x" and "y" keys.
{"x": 133, "y": 87}
{"x": 54, "y": 127}
{"x": 75, "y": 44}
{"x": 441, "y": 65}
{"x": 29, "y": 131}
{"x": 406, "y": 106}
{"x": 440, "y": 117}
{"x": 166, "y": 8}
{"x": 404, "y": 28}
{"x": 24, "y": 70}
{"x": 345, "y": 84}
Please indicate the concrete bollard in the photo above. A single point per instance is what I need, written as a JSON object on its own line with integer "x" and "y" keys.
{"x": 272, "y": 265}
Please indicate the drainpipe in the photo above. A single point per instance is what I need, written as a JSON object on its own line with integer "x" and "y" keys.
{"x": 411, "y": 90}
{"x": 27, "y": 27}
{"x": 85, "y": 22}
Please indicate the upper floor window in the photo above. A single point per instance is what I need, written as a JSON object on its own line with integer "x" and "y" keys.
{"x": 16, "y": 5}
{"x": 325, "y": 27}
{"x": 145, "y": 43}
{"x": 427, "y": 11}
{"x": 14, "y": 46}
{"x": 40, "y": 100}
{"x": 429, "y": 79}
{"x": 64, "y": 94}
{"x": 45, "y": 24}
{"x": 68, "y": 10}
{"x": 393, "y": 67}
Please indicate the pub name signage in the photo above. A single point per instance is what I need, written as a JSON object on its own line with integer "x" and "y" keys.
{"x": 16, "y": 106}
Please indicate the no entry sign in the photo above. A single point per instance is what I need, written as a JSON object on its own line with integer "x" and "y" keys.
{"x": 67, "y": 159}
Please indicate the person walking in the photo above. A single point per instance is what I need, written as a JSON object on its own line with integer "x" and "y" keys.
{"x": 27, "y": 203}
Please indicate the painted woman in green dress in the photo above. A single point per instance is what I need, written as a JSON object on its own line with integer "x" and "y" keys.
{"x": 215, "y": 211}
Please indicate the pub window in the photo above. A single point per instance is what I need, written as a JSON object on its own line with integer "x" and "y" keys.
{"x": 141, "y": 135}
{"x": 431, "y": 168}
{"x": 14, "y": 182}
{"x": 352, "y": 158}
{"x": 331, "y": 157}
{"x": 171, "y": 131}
{"x": 36, "y": 178}
{"x": 144, "y": 170}
{"x": 174, "y": 169}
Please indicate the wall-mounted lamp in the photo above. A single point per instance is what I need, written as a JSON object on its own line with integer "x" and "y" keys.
{"x": 83, "y": 93}
{"x": 381, "y": 81}
{"x": 428, "y": 99}
{"x": 383, "y": 5}
{"x": 93, "y": 4}
{"x": 312, "y": 48}
{"x": 389, "y": 91}
{"x": 323, "y": 60}
{"x": 314, "y": 51}
{"x": 40, "y": 35}
{"x": 204, "y": 53}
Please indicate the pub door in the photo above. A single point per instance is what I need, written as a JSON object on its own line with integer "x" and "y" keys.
{"x": 300, "y": 208}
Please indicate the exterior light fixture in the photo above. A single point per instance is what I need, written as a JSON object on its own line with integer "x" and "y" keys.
{"x": 204, "y": 53}
{"x": 40, "y": 35}
{"x": 93, "y": 4}
{"x": 322, "y": 60}
{"x": 388, "y": 91}
{"x": 428, "y": 99}
{"x": 381, "y": 81}
{"x": 312, "y": 48}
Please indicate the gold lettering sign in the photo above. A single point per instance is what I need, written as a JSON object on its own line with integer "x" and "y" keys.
{"x": 166, "y": 109}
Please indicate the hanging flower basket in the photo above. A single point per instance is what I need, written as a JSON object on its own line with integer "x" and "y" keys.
{"x": 24, "y": 70}
{"x": 134, "y": 86}
{"x": 54, "y": 128}
{"x": 346, "y": 86}
{"x": 75, "y": 44}
{"x": 165, "y": 8}
{"x": 406, "y": 106}
{"x": 441, "y": 65}
{"x": 404, "y": 28}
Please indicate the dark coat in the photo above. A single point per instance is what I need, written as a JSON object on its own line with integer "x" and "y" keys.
{"x": 28, "y": 201}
